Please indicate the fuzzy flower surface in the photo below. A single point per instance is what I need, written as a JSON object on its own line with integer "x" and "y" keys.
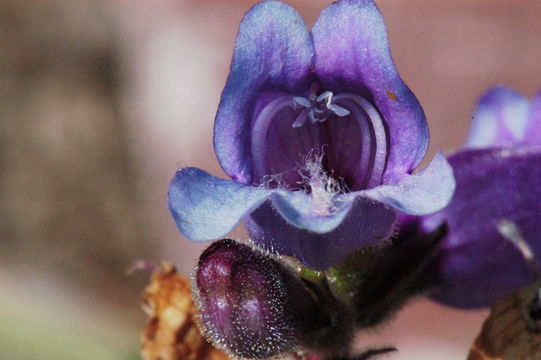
{"x": 320, "y": 137}
{"x": 498, "y": 182}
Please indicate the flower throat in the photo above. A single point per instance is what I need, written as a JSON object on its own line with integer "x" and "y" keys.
{"x": 287, "y": 129}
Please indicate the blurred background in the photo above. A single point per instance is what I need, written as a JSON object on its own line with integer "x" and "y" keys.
{"x": 100, "y": 101}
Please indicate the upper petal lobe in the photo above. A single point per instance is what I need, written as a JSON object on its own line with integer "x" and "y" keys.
{"x": 352, "y": 54}
{"x": 273, "y": 52}
{"x": 501, "y": 119}
{"x": 533, "y": 132}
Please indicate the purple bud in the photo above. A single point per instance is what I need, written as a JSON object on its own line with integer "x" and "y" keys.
{"x": 244, "y": 299}
{"x": 254, "y": 307}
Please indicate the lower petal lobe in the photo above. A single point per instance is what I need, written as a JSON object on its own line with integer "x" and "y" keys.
{"x": 367, "y": 224}
{"x": 205, "y": 207}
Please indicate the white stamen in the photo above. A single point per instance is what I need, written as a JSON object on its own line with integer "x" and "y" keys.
{"x": 326, "y": 95}
{"x": 317, "y": 108}
{"x": 299, "y": 101}
{"x": 300, "y": 119}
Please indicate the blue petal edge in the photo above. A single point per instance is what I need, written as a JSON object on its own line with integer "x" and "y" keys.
{"x": 207, "y": 208}
{"x": 297, "y": 209}
{"x": 422, "y": 193}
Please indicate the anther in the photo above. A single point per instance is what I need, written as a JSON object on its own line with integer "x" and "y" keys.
{"x": 317, "y": 108}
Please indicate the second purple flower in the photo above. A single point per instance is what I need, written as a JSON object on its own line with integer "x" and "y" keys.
{"x": 320, "y": 136}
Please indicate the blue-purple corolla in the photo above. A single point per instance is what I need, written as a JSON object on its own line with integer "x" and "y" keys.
{"x": 320, "y": 136}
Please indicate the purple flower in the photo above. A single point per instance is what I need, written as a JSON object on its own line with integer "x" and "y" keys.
{"x": 320, "y": 136}
{"x": 498, "y": 178}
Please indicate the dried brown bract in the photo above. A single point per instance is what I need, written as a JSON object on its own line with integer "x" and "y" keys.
{"x": 172, "y": 333}
{"x": 513, "y": 329}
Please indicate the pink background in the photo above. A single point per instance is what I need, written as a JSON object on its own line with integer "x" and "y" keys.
{"x": 171, "y": 61}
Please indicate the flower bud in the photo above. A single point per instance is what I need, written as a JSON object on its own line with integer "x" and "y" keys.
{"x": 252, "y": 306}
